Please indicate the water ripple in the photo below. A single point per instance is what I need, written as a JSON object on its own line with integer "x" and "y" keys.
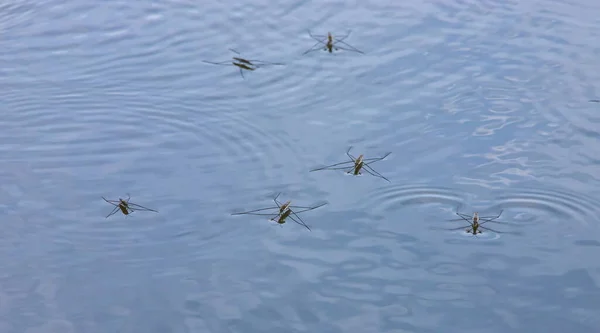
{"x": 566, "y": 206}
{"x": 394, "y": 197}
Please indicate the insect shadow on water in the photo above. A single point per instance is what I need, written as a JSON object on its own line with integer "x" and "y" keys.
{"x": 126, "y": 207}
{"x": 356, "y": 165}
{"x": 283, "y": 212}
{"x": 331, "y": 43}
{"x": 476, "y": 222}
{"x": 244, "y": 64}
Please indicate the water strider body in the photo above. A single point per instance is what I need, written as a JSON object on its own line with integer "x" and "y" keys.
{"x": 330, "y": 43}
{"x": 244, "y": 64}
{"x": 125, "y": 206}
{"x": 476, "y": 222}
{"x": 284, "y": 211}
{"x": 355, "y": 165}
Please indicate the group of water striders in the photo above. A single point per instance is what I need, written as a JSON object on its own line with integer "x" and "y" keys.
{"x": 283, "y": 211}
{"x": 326, "y": 43}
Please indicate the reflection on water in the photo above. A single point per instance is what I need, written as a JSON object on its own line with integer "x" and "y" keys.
{"x": 484, "y": 106}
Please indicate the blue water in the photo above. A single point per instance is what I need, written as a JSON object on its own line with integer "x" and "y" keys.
{"x": 483, "y": 104}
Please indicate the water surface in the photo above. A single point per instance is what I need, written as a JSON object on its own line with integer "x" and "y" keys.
{"x": 483, "y": 105}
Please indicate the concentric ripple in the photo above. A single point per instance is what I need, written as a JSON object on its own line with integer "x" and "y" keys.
{"x": 128, "y": 154}
{"x": 566, "y": 206}
{"x": 394, "y": 197}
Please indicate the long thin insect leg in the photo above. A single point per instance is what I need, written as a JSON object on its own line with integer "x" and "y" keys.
{"x": 464, "y": 215}
{"x": 113, "y": 211}
{"x": 349, "y": 155}
{"x": 259, "y": 63}
{"x": 451, "y": 229}
{"x": 255, "y": 210}
{"x": 490, "y": 220}
{"x": 277, "y": 202}
{"x": 373, "y": 172}
{"x": 465, "y": 218}
{"x": 459, "y": 228}
{"x": 311, "y": 50}
{"x": 352, "y": 48}
{"x": 375, "y": 159}
{"x": 305, "y": 209}
{"x": 342, "y": 168}
{"x": 317, "y": 37}
{"x": 301, "y": 221}
{"x": 226, "y": 62}
{"x": 332, "y": 165}
{"x": 493, "y": 221}
{"x": 314, "y": 47}
{"x": 346, "y": 49}
{"x": 242, "y": 74}
{"x": 139, "y": 207}
{"x": 368, "y": 166}
{"x": 485, "y": 228}
{"x": 112, "y": 202}
{"x": 491, "y": 217}
{"x": 234, "y": 51}
{"x": 344, "y": 37}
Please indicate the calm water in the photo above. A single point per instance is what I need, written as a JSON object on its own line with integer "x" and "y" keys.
{"x": 483, "y": 104}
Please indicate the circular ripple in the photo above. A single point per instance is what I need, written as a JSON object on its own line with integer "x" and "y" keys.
{"x": 107, "y": 105}
{"x": 567, "y": 206}
{"x": 393, "y": 197}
